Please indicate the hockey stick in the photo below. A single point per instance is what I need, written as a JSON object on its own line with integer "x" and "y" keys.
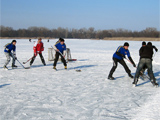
{"x": 136, "y": 67}
{"x": 28, "y": 60}
{"x": 130, "y": 61}
{"x": 22, "y": 65}
{"x": 18, "y": 61}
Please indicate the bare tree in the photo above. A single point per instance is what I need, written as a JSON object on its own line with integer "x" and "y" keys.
{"x": 76, "y": 33}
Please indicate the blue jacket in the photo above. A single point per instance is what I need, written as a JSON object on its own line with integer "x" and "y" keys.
{"x": 9, "y": 47}
{"x": 60, "y": 47}
{"x": 121, "y": 50}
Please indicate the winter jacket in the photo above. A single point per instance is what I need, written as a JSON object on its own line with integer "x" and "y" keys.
{"x": 121, "y": 52}
{"x": 59, "y": 42}
{"x": 38, "y": 47}
{"x": 9, "y": 47}
{"x": 60, "y": 47}
{"x": 146, "y": 52}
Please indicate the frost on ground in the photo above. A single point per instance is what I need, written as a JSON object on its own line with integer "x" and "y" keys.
{"x": 40, "y": 93}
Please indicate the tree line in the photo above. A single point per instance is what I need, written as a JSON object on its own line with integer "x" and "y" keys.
{"x": 82, "y": 33}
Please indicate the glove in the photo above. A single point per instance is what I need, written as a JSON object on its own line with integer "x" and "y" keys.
{"x": 35, "y": 54}
{"x": 15, "y": 58}
{"x": 156, "y": 50}
{"x": 123, "y": 56}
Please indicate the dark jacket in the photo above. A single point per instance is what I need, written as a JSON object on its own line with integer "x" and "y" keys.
{"x": 9, "y": 47}
{"x": 146, "y": 52}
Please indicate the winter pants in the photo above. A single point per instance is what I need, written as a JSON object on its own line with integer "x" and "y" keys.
{"x": 34, "y": 57}
{"x": 115, "y": 63}
{"x": 145, "y": 62}
{"x": 57, "y": 57}
{"x": 8, "y": 56}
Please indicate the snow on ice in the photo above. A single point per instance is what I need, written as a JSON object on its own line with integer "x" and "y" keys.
{"x": 40, "y": 93}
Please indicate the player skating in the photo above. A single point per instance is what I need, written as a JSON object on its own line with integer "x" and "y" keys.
{"x": 146, "y": 53}
{"x": 119, "y": 56}
{"x": 60, "y": 48}
{"x": 38, "y": 48}
{"x": 8, "y": 48}
{"x": 145, "y": 67}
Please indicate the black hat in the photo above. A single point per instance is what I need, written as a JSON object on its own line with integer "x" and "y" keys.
{"x": 149, "y": 43}
{"x": 143, "y": 43}
{"x": 126, "y": 44}
{"x": 61, "y": 39}
{"x": 14, "y": 41}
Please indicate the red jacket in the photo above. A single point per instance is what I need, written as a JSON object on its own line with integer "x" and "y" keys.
{"x": 38, "y": 47}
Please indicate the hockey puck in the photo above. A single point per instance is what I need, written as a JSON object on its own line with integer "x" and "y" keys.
{"x": 26, "y": 67}
{"x": 78, "y": 70}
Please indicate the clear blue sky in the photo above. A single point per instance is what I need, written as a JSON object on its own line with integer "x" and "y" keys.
{"x": 100, "y": 14}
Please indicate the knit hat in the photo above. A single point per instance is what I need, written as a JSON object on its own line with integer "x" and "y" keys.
{"x": 14, "y": 41}
{"x": 143, "y": 43}
{"x": 149, "y": 43}
{"x": 126, "y": 44}
{"x": 62, "y": 40}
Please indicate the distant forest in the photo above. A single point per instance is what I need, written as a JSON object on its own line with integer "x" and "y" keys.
{"x": 83, "y": 33}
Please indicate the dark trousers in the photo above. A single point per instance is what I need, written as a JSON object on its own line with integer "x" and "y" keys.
{"x": 115, "y": 64}
{"x": 145, "y": 62}
{"x": 143, "y": 69}
{"x": 34, "y": 57}
{"x": 57, "y": 57}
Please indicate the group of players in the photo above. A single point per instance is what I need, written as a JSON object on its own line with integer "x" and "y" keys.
{"x": 145, "y": 62}
{"x": 60, "y": 47}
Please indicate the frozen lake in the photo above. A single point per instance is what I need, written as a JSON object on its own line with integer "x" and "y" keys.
{"x": 40, "y": 93}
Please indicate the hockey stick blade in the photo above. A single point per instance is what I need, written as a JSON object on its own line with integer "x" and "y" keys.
{"x": 27, "y": 60}
{"x": 26, "y": 67}
{"x": 72, "y": 59}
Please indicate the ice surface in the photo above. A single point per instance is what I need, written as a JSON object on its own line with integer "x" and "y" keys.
{"x": 40, "y": 93}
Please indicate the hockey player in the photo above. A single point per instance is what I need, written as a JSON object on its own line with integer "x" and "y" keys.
{"x": 146, "y": 54}
{"x": 118, "y": 57}
{"x": 38, "y": 48}
{"x": 60, "y": 47}
{"x": 8, "y": 48}
{"x": 59, "y": 42}
{"x": 145, "y": 67}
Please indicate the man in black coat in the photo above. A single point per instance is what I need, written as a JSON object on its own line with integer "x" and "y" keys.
{"x": 146, "y": 54}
